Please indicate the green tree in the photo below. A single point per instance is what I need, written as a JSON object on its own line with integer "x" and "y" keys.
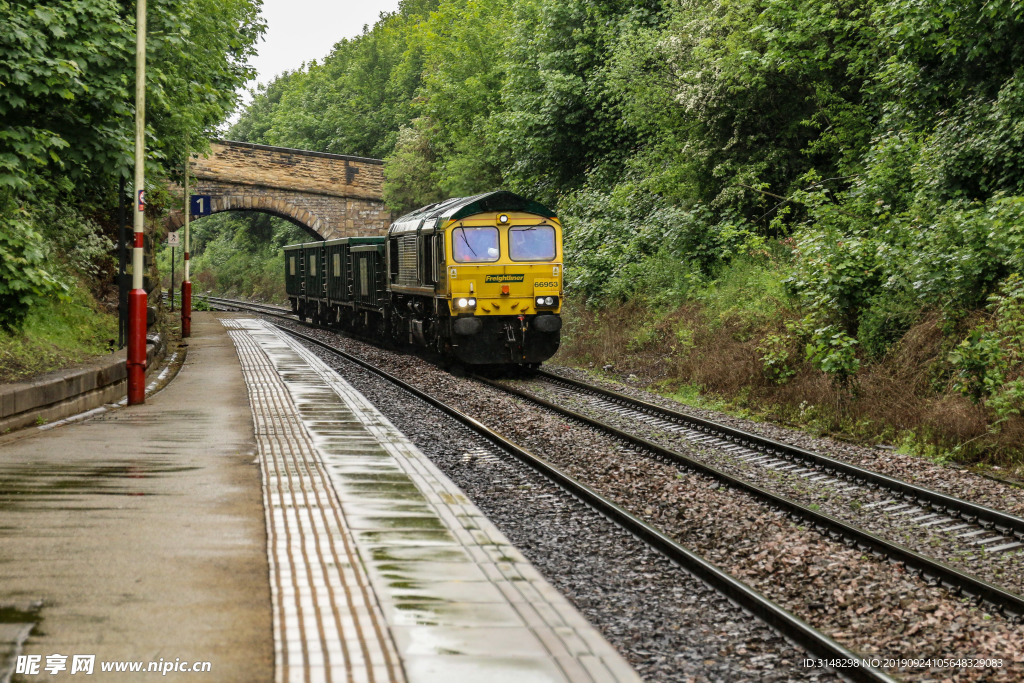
{"x": 353, "y": 102}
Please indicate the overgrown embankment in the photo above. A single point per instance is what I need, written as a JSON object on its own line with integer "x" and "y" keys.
{"x": 946, "y": 388}
{"x": 55, "y": 305}
{"x": 67, "y": 125}
{"x": 57, "y": 333}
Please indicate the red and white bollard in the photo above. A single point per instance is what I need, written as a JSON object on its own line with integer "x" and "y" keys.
{"x": 186, "y": 304}
{"x": 137, "y": 305}
{"x": 186, "y": 283}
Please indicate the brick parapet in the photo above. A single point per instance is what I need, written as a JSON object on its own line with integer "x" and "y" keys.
{"x": 288, "y": 169}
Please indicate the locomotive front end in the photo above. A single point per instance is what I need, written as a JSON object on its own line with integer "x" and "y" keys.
{"x": 504, "y": 276}
{"x": 478, "y": 279}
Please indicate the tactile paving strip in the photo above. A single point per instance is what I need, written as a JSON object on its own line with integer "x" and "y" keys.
{"x": 327, "y": 625}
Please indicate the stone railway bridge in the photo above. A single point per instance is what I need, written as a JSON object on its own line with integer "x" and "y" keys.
{"x": 330, "y": 195}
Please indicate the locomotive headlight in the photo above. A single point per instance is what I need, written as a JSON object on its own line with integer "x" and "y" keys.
{"x": 472, "y": 303}
{"x": 547, "y": 301}
{"x": 463, "y": 303}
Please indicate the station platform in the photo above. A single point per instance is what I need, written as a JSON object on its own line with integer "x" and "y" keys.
{"x": 259, "y": 517}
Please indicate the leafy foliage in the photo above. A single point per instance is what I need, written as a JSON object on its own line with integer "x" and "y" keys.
{"x": 354, "y": 102}
{"x": 989, "y": 363}
{"x": 24, "y": 280}
{"x": 238, "y": 254}
{"x": 67, "y": 106}
{"x": 67, "y": 71}
{"x": 64, "y": 87}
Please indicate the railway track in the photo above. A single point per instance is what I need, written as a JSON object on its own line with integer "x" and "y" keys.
{"x": 983, "y": 527}
{"x": 926, "y": 508}
{"x": 930, "y": 509}
{"x": 814, "y": 642}
{"x": 268, "y": 309}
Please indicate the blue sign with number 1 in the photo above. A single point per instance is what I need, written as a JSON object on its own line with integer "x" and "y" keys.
{"x": 200, "y": 205}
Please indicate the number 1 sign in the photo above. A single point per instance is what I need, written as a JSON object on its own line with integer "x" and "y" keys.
{"x": 200, "y": 205}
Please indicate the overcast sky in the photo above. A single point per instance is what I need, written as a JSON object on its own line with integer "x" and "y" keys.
{"x": 300, "y": 31}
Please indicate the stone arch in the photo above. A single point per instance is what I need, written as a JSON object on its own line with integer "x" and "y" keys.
{"x": 275, "y": 207}
{"x": 328, "y": 195}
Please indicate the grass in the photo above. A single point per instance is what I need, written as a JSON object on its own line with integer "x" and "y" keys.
{"x": 749, "y": 288}
{"x": 691, "y": 395}
{"x": 56, "y": 335}
{"x": 909, "y": 443}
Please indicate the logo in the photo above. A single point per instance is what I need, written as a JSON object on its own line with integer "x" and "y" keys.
{"x": 505, "y": 278}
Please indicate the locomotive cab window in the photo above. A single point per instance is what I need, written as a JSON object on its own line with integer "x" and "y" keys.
{"x": 533, "y": 243}
{"x": 475, "y": 245}
{"x": 438, "y": 264}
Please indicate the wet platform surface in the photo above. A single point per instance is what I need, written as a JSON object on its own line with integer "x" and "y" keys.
{"x": 137, "y": 534}
{"x": 381, "y": 569}
{"x": 257, "y": 515}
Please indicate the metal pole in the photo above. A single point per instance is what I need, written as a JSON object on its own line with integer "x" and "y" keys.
{"x": 186, "y": 283}
{"x": 172, "y": 278}
{"x": 122, "y": 266}
{"x": 137, "y": 297}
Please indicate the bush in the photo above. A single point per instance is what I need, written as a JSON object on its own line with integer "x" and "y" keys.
{"x": 25, "y": 279}
{"x": 628, "y": 242}
{"x": 989, "y": 363}
{"x": 868, "y": 271}
{"x": 886, "y": 318}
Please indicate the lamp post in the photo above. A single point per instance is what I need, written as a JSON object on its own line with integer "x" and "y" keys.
{"x": 136, "y": 363}
{"x": 186, "y": 283}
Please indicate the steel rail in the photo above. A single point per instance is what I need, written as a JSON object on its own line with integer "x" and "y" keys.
{"x": 969, "y": 512}
{"x": 786, "y": 623}
{"x": 1009, "y": 604}
{"x": 273, "y": 310}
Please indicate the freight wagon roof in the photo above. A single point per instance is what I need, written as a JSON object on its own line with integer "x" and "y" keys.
{"x": 460, "y": 207}
{"x": 372, "y": 239}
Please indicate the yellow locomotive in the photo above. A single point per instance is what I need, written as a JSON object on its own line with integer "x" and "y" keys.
{"x": 477, "y": 278}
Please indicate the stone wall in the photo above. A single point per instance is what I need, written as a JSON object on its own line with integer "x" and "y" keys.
{"x": 58, "y": 395}
{"x": 331, "y": 195}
